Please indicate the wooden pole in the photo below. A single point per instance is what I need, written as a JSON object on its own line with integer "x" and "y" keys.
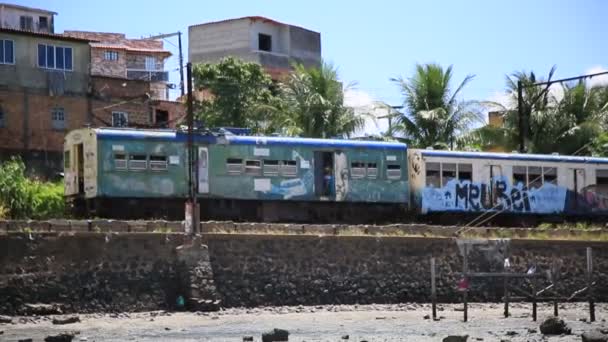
{"x": 590, "y": 284}
{"x": 555, "y": 285}
{"x": 506, "y": 295}
{"x": 534, "y": 296}
{"x": 433, "y": 289}
{"x": 465, "y": 270}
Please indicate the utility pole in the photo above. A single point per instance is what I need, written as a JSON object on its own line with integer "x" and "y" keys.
{"x": 181, "y": 57}
{"x": 523, "y": 117}
{"x": 193, "y": 210}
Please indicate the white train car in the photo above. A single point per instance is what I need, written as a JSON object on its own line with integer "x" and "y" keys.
{"x": 510, "y": 183}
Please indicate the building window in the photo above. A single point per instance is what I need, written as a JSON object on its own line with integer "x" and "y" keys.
{"x": 357, "y": 170}
{"x": 271, "y": 167}
{"x": 289, "y": 168}
{"x": 433, "y": 175}
{"x": 150, "y": 63}
{"x": 601, "y": 177}
{"x": 120, "y": 119}
{"x": 26, "y": 23}
{"x": 43, "y": 23}
{"x": 7, "y": 54}
{"x": 54, "y": 57}
{"x": 58, "y": 118}
{"x": 110, "y": 55}
{"x": 393, "y": 171}
{"x": 66, "y": 160}
{"x": 372, "y": 170}
{"x": 234, "y": 166}
{"x": 253, "y": 167}
{"x": 264, "y": 42}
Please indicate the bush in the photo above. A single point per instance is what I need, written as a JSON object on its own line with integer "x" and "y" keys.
{"x": 21, "y": 197}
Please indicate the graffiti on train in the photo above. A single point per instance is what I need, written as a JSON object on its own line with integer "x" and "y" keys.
{"x": 501, "y": 195}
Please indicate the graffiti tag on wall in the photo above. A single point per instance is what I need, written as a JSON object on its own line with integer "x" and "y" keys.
{"x": 500, "y": 195}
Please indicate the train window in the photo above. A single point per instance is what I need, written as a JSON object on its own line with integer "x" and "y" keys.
{"x": 601, "y": 177}
{"x": 535, "y": 177}
{"x": 253, "y": 167}
{"x": 357, "y": 170}
{"x": 432, "y": 175}
{"x": 550, "y": 175}
{"x": 372, "y": 170}
{"x": 158, "y": 163}
{"x": 271, "y": 167}
{"x": 519, "y": 176}
{"x": 138, "y": 162}
{"x": 120, "y": 161}
{"x": 465, "y": 172}
{"x": 393, "y": 171}
{"x": 234, "y": 166}
{"x": 66, "y": 160}
{"x": 289, "y": 168}
{"x": 448, "y": 172}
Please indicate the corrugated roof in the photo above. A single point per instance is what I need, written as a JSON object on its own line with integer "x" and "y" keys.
{"x": 25, "y": 8}
{"x": 43, "y": 34}
{"x": 252, "y": 18}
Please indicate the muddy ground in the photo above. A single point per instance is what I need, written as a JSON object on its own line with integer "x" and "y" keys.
{"x": 403, "y": 322}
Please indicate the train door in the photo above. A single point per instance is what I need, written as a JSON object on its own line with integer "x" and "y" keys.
{"x": 492, "y": 176}
{"x": 577, "y": 179}
{"x": 203, "y": 170}
{"x": 340, "y": 175}
{"x": 324, "y": 174}
{"x": 80, "y": 168}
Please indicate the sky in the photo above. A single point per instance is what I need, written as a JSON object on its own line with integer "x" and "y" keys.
{"x": 372, "y": 41}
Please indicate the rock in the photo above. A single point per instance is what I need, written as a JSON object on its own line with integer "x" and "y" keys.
{"x": 66, "y": 320}
{"x": 25, "y": 340}
{"x": 594, "y": 336}
{"x": 345, "y": 337}
{"x": 456, "y": 338}
{"x": 427, "y": 317}
{"x": 41, "y": 309}
{"x": 511, "y": 333}
{"x": 554, "y": 326}
{"x": 275, "y": 335}
{"x": 65, "y": 337}
{"x": 6, "y": 319}
{"x": 247, "y": 338}
{"x": 532, "y": 331}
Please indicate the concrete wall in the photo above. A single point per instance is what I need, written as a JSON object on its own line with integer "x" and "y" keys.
{"x": 25, "y": 73}
{"x": 305, "y": 46}
{"x": 208, "y": 43}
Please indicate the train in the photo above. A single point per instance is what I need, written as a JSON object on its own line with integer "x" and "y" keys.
{"x": 127, "y": 173}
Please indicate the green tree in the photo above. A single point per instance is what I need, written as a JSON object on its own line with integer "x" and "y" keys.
{"x": 433, "y": 114}
{"x": 237, "y": 94}
{"x": 314, "y": 104}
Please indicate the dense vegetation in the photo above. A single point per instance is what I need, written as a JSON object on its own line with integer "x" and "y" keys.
{"x": 565, "y": 118}
{"x": 21, "y": 197}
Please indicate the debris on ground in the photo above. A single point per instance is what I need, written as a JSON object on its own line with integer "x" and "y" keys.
{"x": 275, "y": 335}
{"x": 66, "y": 320}
{"x": 594, "y": 336}
{"x": 456, "y": 338}
{"x": 64, "y": 337}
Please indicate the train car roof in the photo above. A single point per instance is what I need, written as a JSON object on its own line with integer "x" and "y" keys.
{"x": 514, "y": 156}
{"x": 172, "y": 135}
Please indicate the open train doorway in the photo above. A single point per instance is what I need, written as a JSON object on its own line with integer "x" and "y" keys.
{"x": 80, "y": 168}
{"x": 324, "y": 174}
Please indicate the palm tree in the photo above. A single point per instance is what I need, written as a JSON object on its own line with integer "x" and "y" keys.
{"x": 314, "y": 100}
{"x": 434, "y": 116}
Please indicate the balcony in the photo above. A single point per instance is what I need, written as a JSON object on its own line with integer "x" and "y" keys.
{"x": 148, "y": 75}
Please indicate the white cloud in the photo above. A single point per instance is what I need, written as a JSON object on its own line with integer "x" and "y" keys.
{"x": 597, "y": 80}
{"x": 364, "y": 103}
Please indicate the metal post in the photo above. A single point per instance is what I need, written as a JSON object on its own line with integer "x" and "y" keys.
{"x": 520, "y": 116}
{"x": 181, "y": 63}
{"x": 433, "y": 289}
{"x": 534, "y": 297}
{"x": 506, "y": 295}
{"x": 590, "y": 285}
{"x": 465, "y": 271}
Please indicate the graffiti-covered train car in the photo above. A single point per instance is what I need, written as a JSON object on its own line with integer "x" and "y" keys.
{"x": 134, "y": 173}
{"x": 507, "y": 183}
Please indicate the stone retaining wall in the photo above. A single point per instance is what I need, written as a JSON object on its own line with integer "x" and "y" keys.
{"x": 85, "y": 272}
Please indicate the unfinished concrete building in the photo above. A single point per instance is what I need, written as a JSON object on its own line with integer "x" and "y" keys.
{"x": 270, "y": 43}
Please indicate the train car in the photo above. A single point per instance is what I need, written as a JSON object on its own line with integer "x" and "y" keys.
{"x": 445, "y": 183}
{"x": 133, "y": 173}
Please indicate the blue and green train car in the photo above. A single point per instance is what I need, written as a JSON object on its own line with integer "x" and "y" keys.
{"x": 131, "y": 173}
